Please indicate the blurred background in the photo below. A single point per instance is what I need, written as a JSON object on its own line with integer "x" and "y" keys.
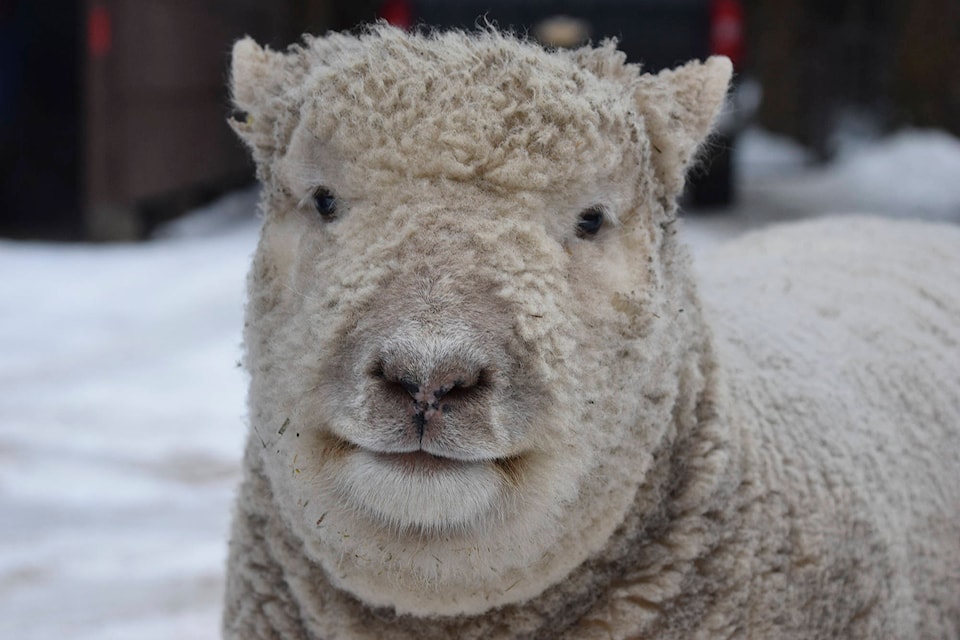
{"x": 128, "y": 217}
{"x": 112, "y": 112}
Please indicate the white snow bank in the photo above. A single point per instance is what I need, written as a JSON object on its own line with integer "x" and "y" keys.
{"x": 910, "y": 174}
{"x": 758, "y": 154}
{"x": 121, "y": 424}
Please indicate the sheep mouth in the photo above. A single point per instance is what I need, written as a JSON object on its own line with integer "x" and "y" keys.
{"x": 510, "y": 468}
{"x": 423, "y": 461}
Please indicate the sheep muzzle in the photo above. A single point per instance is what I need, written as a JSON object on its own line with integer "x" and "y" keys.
{"x": 457, "y": 387}
{"x": 433, "y": 386}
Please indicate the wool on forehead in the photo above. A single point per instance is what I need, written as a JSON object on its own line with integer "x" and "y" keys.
{"x": 487, "y": 107}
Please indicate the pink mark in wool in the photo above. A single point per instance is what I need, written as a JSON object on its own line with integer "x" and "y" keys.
{"x": 426, "y": 401}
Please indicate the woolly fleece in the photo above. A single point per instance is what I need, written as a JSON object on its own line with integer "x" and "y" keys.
{"x": 615, "y": 455}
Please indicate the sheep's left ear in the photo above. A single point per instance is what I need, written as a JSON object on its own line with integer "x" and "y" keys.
{"x": 679, "y": 108}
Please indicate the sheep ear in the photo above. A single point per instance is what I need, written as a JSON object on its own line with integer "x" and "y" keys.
{"x": 258, "y": 79}
{"x": 679, "y": 107}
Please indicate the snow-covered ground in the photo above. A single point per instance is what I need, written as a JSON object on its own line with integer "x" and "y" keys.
{"x": 121, "y": 422}
{"x": 910, "y": 174}
{"x": 122, "y": 406}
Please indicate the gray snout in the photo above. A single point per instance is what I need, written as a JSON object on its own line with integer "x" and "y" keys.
{"x": 431, "y": 385}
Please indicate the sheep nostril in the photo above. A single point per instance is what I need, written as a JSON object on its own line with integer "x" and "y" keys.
{"x": 401, "y": 388}
{"x": 395, "y": 385}
{"x": 461, "y": 388}
{"x": 412, "y": 388}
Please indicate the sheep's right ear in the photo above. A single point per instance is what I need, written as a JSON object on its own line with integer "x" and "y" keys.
{"x": 258, "y": 81}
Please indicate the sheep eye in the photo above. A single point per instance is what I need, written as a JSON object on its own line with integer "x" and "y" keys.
{"x": 326, "y": 203}
{"x": 590, "y": 222}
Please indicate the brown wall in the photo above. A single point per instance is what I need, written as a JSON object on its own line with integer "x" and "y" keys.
{"x": 156, "y": 102}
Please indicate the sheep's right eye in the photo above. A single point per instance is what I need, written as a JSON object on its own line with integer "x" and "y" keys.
{"x": 590, "y": 222}
{"x": 325, "y": 203}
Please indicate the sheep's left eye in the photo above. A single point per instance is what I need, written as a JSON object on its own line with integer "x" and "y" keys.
{"x": 326, "y": 203}
{"x": 590, "y": 222}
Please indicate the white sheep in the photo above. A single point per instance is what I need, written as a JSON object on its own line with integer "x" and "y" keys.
{"x": 488, "y": 401}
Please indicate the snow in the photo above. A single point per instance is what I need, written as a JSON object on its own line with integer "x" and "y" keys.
{"x": 122, "y": 405}
{"x": 910, "y": 174}
{"x": 121, "y": 426}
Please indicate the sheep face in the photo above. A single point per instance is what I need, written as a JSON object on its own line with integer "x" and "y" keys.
{"x": 457, "y": 333}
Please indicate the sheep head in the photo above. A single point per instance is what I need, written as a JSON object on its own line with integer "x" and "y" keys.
{"x": 459, "y": 327}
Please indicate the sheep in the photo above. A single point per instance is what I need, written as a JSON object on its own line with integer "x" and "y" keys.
{"x": 488, "y": 399}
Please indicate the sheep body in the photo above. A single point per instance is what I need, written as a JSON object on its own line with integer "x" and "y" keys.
{"x": 839, "y": 339}
{"x": 475, "y": 414}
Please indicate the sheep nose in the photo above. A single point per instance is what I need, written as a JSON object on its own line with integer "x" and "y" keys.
{"x": 431, "y": 392}
{"x": 428, "y": 390}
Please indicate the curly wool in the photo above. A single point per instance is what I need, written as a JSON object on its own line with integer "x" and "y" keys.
{"x": 773, "y": 456}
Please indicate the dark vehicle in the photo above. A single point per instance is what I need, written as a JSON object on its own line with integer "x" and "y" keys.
{"x": 657, "y": 33}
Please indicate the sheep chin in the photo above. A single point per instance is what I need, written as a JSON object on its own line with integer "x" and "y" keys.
{"x": 420, "y": 492}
